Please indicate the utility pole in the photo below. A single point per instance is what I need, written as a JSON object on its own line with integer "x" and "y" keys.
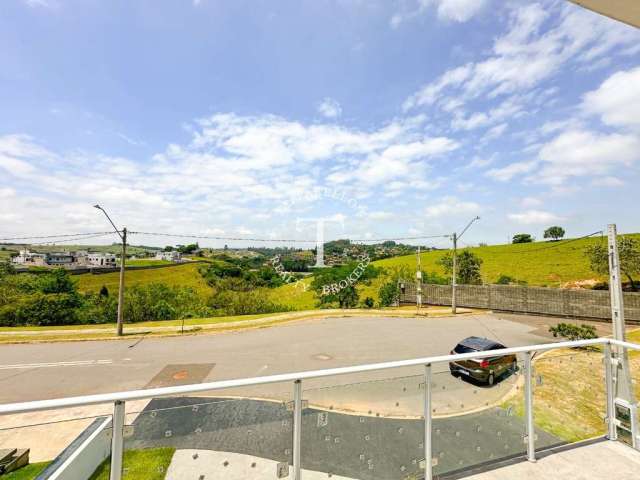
{"x": 625, "y": 411}
{"x": 454, "y": 275}
{"x": 454, "y": 280}
{"x": 123, "y": 236}
{"x": 419, "y": 282}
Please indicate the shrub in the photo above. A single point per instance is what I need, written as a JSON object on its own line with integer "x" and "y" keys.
{"x": 574, "y": 332}
{"x": 368, "y": 302}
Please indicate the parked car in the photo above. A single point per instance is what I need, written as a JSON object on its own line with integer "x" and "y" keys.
{"x": 485, "y": 370}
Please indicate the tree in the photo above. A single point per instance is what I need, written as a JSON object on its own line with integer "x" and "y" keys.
{"x": 629, "y": 253}
{"x": 522, "y": 238}
{"x": 555, "y": 233}
{"x": 468, "y": 267}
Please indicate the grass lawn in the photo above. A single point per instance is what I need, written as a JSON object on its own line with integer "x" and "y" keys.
{"x": 28, "y": 472}
{"x": 147, "y": 262}
{"x": 146, "y": 464}
{"x": 185, "y": 274}
{"x": 569, "y": 398}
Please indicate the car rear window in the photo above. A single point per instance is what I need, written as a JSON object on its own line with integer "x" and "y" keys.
{"x": 463, "y": 349}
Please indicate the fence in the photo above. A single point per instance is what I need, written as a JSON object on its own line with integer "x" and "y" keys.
{"x": 538, "y": 300}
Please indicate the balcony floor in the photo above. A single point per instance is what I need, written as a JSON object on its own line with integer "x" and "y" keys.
{"x": 591, "y": 462}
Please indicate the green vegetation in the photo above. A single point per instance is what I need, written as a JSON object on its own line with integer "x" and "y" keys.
{"x": 555, "y": 233}
{"x": 629, "y": 253}
{"x": 522, "y": 238}
{"x": 336, "y": 286}
{"x": 147, "y": 262}
{"x": 467, "y": 267}
{"x": 248, "y": 282}
{"x": 573, "y": 332}
{"x": 28, "y": 472}
{"x": 147, "y": 464}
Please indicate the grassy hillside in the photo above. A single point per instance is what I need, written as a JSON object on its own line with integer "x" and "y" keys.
{"x": 551, "y": 264}
{"x": 183, "y": 274}
{"x": 540, "y": 263}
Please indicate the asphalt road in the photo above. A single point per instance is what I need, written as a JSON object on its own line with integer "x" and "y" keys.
{"x": 44, "y": 371}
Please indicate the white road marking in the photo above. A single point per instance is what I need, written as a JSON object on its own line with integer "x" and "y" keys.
{"x": 78, "y": 363}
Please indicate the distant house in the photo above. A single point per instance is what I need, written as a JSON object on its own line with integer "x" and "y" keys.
{"x": 25, "y": 257}
{"x": 60, "y": 259}
{"x": 101, "y": 260}
{"x": 171, "y": 256}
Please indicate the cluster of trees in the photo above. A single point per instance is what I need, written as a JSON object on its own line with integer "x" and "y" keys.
{"x": 554, "y": 233}
{"x": 346, "y": 296}
{"x": 238, "y": 290}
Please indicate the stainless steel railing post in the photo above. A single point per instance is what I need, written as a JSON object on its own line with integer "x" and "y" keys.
{"x": 428, "y": 424}
{"x": 608, "y": 377}
{"x": 117, "y": 440}
{"x": 528, "y": 406}
{"x": 297, "y": 427}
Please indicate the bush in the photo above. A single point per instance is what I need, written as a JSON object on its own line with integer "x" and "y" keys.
{"x": 508, "y": 280}
{"x": 389, "y": 293}
{"x": 574, "y": 332}
{"x": 368, "y": 302}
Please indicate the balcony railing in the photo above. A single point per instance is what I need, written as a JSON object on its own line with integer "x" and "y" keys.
{"x": 407, "y": 419}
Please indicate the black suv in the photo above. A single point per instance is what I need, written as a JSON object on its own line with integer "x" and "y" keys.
{"x": 486, "y": 370}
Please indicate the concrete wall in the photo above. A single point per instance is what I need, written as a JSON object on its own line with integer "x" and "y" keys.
{"x": 537, "y": 300}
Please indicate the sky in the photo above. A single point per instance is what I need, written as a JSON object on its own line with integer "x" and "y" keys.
{"x": 253, "y": 119}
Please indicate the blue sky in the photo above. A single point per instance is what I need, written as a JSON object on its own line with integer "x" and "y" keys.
{"x": 390, "y": 118}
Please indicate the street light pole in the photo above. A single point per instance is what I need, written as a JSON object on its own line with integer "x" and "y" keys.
{"x": 123, "y": 236}
{"x": 454, "y": 279}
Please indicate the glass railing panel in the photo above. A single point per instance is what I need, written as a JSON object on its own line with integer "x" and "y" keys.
{"x": 368, "y": 429}
{"x": 569, "y": 394}
{"x": 45, "y": 442}
{"x": 221, "y": 434}
{"x": 478, "y": 415}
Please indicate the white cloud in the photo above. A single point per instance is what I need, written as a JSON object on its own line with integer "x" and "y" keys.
{"x": 578, "y": 153}
{"x": 528, "y": 202}
{"x": 447, "y": 10}
{"x": 607, "y": 182}
{"x": 617, "y": 100}
{"x": 38, "y": 3}
{"x": 534, "y": 217}
{"x": 330, "y": 108}
{"x": 505, "y": 174}
{"x": 451, "y": 206}
{"x": 541, "y": 40}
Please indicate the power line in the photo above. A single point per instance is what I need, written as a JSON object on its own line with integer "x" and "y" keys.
{"x": 36, "y": 237}
{"x": 276, "y": 240}
{"x": 74, "y": 239}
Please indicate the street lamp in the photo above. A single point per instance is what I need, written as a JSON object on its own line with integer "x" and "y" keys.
{"x": 123, "y": 236}
{"x": 454, "y": 280}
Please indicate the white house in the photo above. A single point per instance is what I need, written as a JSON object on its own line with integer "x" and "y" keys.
{"x": 101, "y": 259}
{"x": 25, "y": 257}
{"x": 172, "y": 256}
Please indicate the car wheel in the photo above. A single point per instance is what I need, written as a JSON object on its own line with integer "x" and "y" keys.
{"x": 491, "y": 380}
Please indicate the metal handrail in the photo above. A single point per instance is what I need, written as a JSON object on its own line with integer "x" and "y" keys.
{"x": 119, "y": 398}
{"x": 39, "y": 405}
